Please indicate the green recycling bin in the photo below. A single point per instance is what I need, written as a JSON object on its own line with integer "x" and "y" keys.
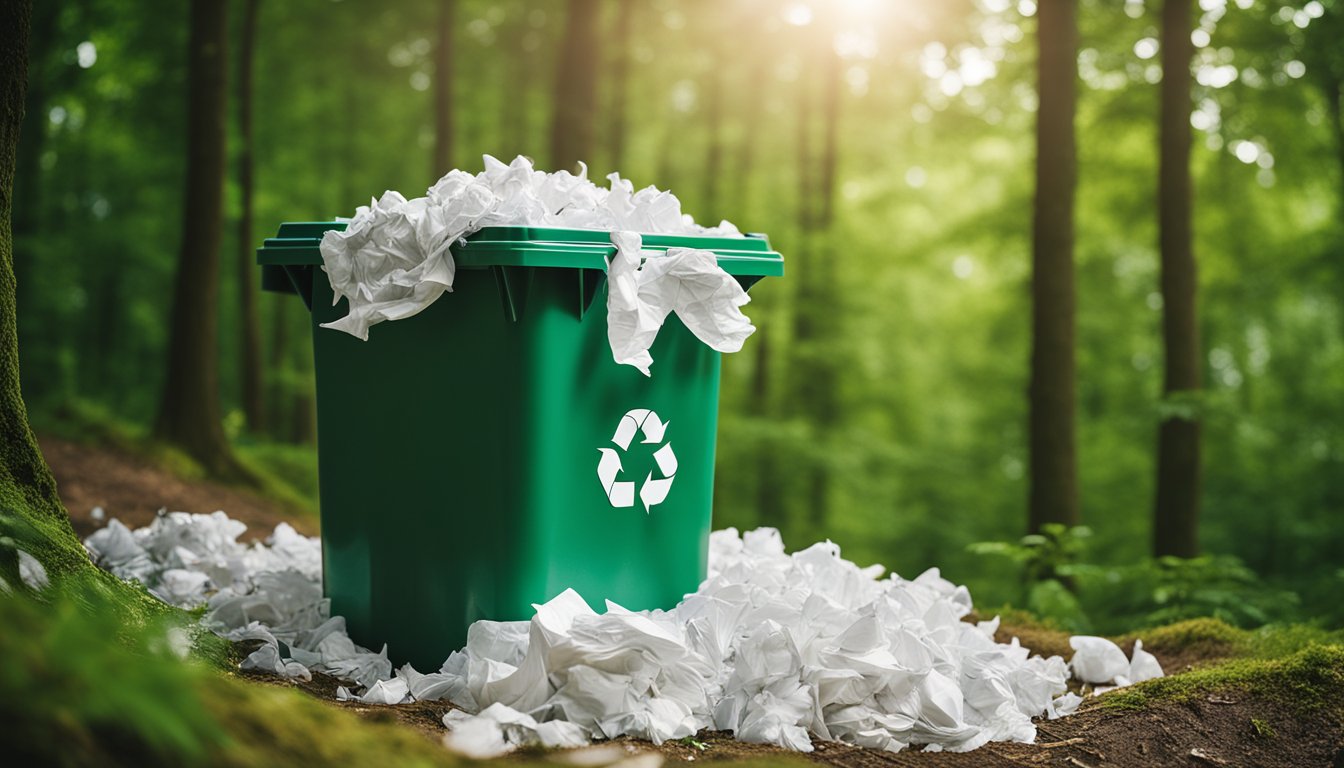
{"x": 489, "y": 453}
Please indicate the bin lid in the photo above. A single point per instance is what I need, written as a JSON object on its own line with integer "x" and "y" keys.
{"x": 297, "y": 243}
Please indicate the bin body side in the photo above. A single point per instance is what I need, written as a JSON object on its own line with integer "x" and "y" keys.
{"x": 459, "y": 453}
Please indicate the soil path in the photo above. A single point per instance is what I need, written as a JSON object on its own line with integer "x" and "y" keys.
{"x": 133, "y": 490}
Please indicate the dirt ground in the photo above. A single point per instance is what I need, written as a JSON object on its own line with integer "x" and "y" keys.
{"x": 1223, "y": 729}
{"x": 133, "y": 490}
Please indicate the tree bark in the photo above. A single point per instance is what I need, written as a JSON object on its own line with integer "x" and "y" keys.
{"x": 617, "y": 119}
{"x": 1176, "y": 511}
{"x": 443, "y": 91}
{"x": 1053, "y": 492}
{"x": 27, "y": 213}
{"x": 189, "y": 408}
{"x": 26, "y": 484}
{"x": 575, "y": 88}
{"x": 249, "y": 343}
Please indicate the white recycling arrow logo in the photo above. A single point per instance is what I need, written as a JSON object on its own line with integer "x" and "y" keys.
{"x": 654, "y": 489}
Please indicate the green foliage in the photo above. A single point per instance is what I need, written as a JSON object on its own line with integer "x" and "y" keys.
{"x": 1047, "y": 561}
{"x": 1049, "y": 555}
{"x": 1060, "y": 585}
{"x": 1165, "y": 590}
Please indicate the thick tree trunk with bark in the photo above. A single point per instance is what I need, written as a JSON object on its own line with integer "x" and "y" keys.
{"x": 26, "y": 484}
{"x": 249, "y": 342}
{"x": 1053, "y": 493}
{"x": 27, "y": 213}
{"x": 1176, "y": 512}
{"x": 575, "y": 92}
{"x": 189, "y": 408}
{"x": 443, "y": 91}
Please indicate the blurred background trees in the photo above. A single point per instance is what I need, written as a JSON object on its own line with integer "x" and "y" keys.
{"x": 888, "y": 148}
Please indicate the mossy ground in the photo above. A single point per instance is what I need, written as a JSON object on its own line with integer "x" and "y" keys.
{"x": 1308, "y": 681}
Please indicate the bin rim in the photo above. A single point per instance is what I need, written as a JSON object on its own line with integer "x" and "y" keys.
{"x": 297, "y": 243}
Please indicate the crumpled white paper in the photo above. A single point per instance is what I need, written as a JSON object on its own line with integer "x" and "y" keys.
{"x": 393, "y": 258}
{"x": 1142, "y": 666}
{"x": 778, "y": 648}
{"x": 1099, "y": 661}
{"x": 499, "y": 729}
{"x": 642, "y": 292}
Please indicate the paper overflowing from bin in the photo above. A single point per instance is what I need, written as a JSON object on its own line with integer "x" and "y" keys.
{"x": 393, "y": 259}
{"x": 777, "y": 648}
{"x": 642, "y": 291}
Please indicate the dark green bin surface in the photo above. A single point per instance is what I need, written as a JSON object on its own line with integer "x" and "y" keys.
{"x": 459, "y": 450}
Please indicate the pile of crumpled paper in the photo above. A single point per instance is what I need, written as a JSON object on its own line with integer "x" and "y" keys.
{"x": 393, "y": 258}
{"x": 778, "y": 648}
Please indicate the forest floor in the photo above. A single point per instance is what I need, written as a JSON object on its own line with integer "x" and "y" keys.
{"x": 1230, "y": 699}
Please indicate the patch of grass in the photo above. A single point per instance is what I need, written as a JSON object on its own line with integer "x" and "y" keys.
{"x": 288, "y": 472}
{"x": 1306, "y": 682}
{"x": 1262, "y": 729}
{"x": 88, "y": 423}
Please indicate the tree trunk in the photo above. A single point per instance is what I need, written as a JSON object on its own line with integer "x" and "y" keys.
{"x": 443, "y": 92}
{"x": 249, "y": 343}
{"x": 27, "y": 213}
{"x": 830, "y": 146}
{"x": 824, "y": 306}
{"x": 26, "y": 484}
{"x": 617, "y": 119}
{"x": 1176, "y": 512}
{"x": 575, "y": 88}
{"x": 1053, "y": 493}
{"x": 189, "y": 408}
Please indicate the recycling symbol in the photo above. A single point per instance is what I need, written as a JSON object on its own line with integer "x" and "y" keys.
{"x": 654, "y": 489}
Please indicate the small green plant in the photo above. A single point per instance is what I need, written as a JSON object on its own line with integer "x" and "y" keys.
{"x": 690, "y": 741}
{"x": 1059, "y": 585}
{"x": 1261, "y": 728}
{"x": 1049, "y": 563}
{"x": 1170, "y": 589}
